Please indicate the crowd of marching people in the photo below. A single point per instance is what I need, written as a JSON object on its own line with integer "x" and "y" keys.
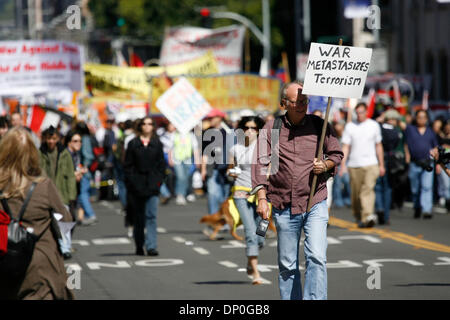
{"x": 386, "y": 162}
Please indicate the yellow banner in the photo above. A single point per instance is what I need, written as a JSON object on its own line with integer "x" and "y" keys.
{"x": 235, "y": 92}
{"x": 107, "y": 78}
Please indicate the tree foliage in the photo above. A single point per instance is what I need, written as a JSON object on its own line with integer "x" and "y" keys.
{"x": 148, "y": 18}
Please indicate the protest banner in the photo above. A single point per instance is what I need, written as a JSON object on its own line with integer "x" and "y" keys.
{"x": 103, "y": 79}
{"x": 237, "y": 91}
{"x": 182, "y": 44}
{"x": 29, "y": 67}
{"x": 183, "y": 106}
{"x": 336, "y": 71}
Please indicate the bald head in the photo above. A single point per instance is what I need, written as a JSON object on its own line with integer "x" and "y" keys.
{"x": 16, "y": 120}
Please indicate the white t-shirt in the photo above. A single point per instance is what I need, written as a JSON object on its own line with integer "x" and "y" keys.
{"x": 243, "y": 157}
{"x": 362, "y": 138}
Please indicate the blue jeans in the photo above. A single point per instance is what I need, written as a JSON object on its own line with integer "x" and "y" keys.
{"x": 289, "y": 228}
{"x": 146, "y": 212}
{"x": 83, "y": 197}
{"x": 218, "y": 190}
{"x": 250, "y": 219}
{"x": 421, "y": 187}
{"x": 164, "y": 191}
{"x": 383, "y": 196}
{"x": 443, "y": 185}
{"x": 182, "y": 174}
{"x": 341, "y": 190}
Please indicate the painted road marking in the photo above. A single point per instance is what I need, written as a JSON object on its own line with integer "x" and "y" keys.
{"x": 179, "y": 239}
{"x": 111, "y": 241}
{"x": 228, "y": 264}
{"x": 73, "y": 266}
{"x": 122, "y": 264}
{"x": 377, "y": 262}
{"x": 201, "y": 250}
{"x": 343, "y": 264}
{"x": 368, "y": 238}
{"x": 332, "y": 240}
{"x": 158, "y": 262}
{"x": 98, "y": 265}
{"x": 416, "y": 242}
{"x": 233, "y": 244}
{"x": 445, "y": 263}
{"x": 161, "y": 230}
{"x": 82, "y": 243}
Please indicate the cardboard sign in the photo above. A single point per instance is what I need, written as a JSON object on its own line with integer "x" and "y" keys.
{"x": 29, "y": 67}
{"x": 336, "y": 71}
{"x": 183, "y": 106}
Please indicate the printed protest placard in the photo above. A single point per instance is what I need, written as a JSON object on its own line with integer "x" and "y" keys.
{"x": 183, "y": 106}
{"x": 29, "y": 67}
{"x": 336, "y": 71}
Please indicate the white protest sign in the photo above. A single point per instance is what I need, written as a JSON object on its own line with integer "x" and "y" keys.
{"x": 182, "y": 44}
{"x": 183, "y": 106}
{"x": 336, "y": 71}
{"x": 29, "y": 67}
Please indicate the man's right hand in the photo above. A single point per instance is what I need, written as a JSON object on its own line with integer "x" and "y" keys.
{"x": 263, "y": 209}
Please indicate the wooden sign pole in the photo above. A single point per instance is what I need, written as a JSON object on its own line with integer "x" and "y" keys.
{"x": 320, "y": 151}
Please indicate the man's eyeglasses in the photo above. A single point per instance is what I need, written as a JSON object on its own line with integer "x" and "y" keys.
{"x": 302, "y": 102}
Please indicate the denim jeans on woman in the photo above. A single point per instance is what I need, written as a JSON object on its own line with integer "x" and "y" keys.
{"x": 84, "y": 196}
{"x": 250, "y": 219}
{"x": 289, "y": 229}
{"x": 145, "y": 219}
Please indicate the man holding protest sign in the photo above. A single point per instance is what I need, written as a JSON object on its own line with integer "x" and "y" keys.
{"x": 288, "y": 190}
{"x": 289, "y": 179}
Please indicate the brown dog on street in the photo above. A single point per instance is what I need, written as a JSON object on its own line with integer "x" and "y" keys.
{"x": 223, "y": 217}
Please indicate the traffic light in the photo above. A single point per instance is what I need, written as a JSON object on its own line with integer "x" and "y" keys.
{"x": 120, "y": 22}
{"x": 206, "y": 18}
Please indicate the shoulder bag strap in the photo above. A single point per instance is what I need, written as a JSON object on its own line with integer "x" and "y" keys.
{"x": 27, "y": 200}
{"x": 5, "y": 206}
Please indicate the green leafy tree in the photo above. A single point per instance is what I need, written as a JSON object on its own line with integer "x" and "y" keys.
{"x": 148, "y": 18}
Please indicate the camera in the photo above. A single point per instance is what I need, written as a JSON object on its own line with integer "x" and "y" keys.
{"x": 444, "y": 155}
{"x": 262, "y": 228}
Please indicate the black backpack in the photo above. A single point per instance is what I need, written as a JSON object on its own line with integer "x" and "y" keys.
{"x": 20, "y": 247}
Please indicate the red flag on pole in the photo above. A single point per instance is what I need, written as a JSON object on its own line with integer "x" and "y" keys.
{"x": 36, "y": 118}
{"x": 135, "y": 61}
{"x": 371, "y": 103}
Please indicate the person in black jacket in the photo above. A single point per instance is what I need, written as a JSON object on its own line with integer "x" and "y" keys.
{"x": 144, "y": 172}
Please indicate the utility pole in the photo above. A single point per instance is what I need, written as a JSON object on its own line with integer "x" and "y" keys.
{"x": 266, "y": 32}
{"x": 19, "y": 18}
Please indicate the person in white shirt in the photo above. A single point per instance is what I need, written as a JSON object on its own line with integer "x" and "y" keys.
{"x": 363, "y": 156}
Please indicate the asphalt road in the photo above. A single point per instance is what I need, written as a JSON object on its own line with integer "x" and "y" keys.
{"x": 410, "y": 259}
